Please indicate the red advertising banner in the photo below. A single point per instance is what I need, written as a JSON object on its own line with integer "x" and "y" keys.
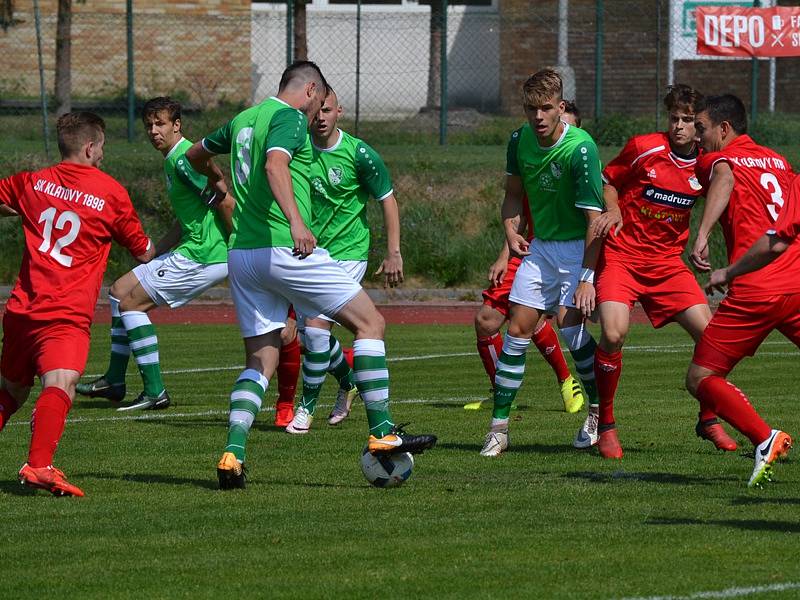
{"x": 748, "y": 32}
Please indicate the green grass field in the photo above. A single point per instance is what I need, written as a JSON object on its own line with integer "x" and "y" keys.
{"x": 673, "y": 518}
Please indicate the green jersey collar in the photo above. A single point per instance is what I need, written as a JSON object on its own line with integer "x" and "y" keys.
{"x": 558, "y": 141}
{"x": 281, "y": 101}
{"x": 335, "y": 146}
{"x": 174, "y": 148}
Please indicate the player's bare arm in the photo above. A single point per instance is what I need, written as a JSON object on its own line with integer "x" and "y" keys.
{"x": 201, "y": 161}
{"x": 148, "y": 254}
{"x": 280, "y": 182}
{"x": 511, "y": 213}
{"x": 169, "y": 240}
{"x": 717, "y": 198}
{"x": 392, "y": 265}
{"x": 611, "y": 219}
{"x": 585, "y": 292}
{"x": 225, "y": 211}
{"x": 763, "y": 251}
{"x": 498, "y": 269}
{"x": 7, "y": 211}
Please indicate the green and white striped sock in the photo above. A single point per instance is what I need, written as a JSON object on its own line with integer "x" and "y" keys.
{"x": 339, "y": 367}
{"x": 508, "y": 379}
{"x": 120, "y": 348}
{"x": 582, "y": 346}
{"x": 246, "y": 397}
{"x": 372, "y": 378}
{"x": 144, "y": 345}
{"x": 315, "y": 366}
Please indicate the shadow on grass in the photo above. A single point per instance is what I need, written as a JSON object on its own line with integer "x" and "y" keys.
{"x": 748, "y": 524}
{"x": 96, "y": 403}
{"x": 515, "y": 449}
{"x": 672, "y": 478}
{"x": 15, "y": 488}
{"x": 749, "y": 501}
{"x": 155, "y": 478}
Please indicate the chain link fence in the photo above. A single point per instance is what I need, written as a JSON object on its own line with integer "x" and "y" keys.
{"x": 385, "y": 61}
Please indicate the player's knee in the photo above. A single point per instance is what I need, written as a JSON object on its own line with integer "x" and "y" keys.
{"x": 694, "y": 377}
{"x": 486, "y": 323}
{"x": 117, "y": 289}
{"x": 376, "y": 325}
{"x": 612, "y": 340}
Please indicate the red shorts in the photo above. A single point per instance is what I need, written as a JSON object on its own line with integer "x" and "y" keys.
{"x": 33, "y": 348}
{"x": 740, "y": 325}
{"x": 496, "y": 296}
{"x": 663, "y": 289}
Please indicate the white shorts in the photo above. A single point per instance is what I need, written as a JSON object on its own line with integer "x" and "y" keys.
{"x": 173, "y": 279}
{"x": 548, "y": 277}
{"x": 265, "y": 281}
{"x": 356, "y": 269}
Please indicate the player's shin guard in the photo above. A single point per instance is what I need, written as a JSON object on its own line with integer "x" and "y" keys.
{"x": 339, "y": 367}
{"x": 288, "y": 371}
{"x": 607, "y": 369}
{"x": 725, "y": 399}
{"x": 8, "y": 406}
{"x": 372, "y": 378}
{"x": 508, "y": 379}
{"x": 47, "y": 425}
{"x": 144, "y": 345}
{"x": 315, "y": 365}
{"x": 246, "y": 397}
{"x": 120, "y": 346}
{"x": 489, "y": 349}
{"x": 581, "y": 345}
{"x": 546, "y": 340}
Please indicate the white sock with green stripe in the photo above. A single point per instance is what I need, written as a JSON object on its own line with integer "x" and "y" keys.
{"x": 581, "y": 345}
{"x": 120, "y": 348}
{"x": 508, "y": 379}
{"x": 246, "y": 397}
{"x": 372, "y": 379}
{"x": 144, "y": 345}
{"x": 339, "y": 367}
{"x": 316, "y": 360}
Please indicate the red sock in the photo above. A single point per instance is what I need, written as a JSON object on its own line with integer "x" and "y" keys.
{"x": 348, "y": 355}
{"x": 719, "y": 395}
{"x": 288, "y": 370}
{"x": 546, "y": 340}
{"x": 607, "y": 369}
{"x": 47, "y": 425}
{"x": 8, "y": 406}
{"x": 489, "y": 349}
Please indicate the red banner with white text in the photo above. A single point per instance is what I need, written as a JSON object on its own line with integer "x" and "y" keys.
{"x": 748, "y": 32}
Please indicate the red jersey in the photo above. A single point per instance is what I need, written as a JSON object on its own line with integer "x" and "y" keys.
{"x": 69, "y": 213}
{"x": 787, "y": 227}
{"x": 762, "y": 179}
{"x": 657, "y": 190}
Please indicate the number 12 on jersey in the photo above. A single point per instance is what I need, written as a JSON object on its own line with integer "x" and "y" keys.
{"x": 68, "y": 217}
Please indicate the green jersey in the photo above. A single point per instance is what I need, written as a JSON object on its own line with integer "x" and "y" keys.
{"x": 273, "y": 125}
{"x": 202, "y": 229}
{"x": 560, "y": 181}
{"x": 343, "y": 177}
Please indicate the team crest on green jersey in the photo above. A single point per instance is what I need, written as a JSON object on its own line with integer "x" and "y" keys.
{"x": 546, "y": 183}
{"x": 335, "y": 175}
{"x": 318, "y": 185}
{"x": 555, "y": 168}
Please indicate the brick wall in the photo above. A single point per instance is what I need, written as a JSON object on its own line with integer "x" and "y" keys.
{"x": 634, "y": 75}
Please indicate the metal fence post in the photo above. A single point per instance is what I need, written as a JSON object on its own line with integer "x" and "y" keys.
{"x": 358, "y": 64}
{"x": 443, "y": 76}
{"x": 598, "y": 61}
{"x": 754, "y": 81}
{"x": 42, "y": 91}
{"x": 131, "y": 90}
{"x": 658, "y": 64}
{"x": 289, "y": 31}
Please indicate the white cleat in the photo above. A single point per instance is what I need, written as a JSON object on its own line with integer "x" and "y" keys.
{"x": 495, "y": 443}
{"x": 301, "y": 422}
{"x": 775, "y": 447}
{"x": 344, "y": 400}
{"x": 587, "y": 434}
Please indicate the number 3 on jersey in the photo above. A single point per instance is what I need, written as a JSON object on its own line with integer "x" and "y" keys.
{"x": 770, "y": 183}
{"x": 66, "y": 217}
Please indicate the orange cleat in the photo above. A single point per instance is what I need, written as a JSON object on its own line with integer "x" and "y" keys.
{"x": 48, "y": 478}
{"x": 714, "y": 432}
{"x": 284, "y": 413}
{"x": 608, "y": 444}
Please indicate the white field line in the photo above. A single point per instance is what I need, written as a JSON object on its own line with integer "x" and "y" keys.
{"x": 667, "y": 349}
{"x": 735, "y": 592}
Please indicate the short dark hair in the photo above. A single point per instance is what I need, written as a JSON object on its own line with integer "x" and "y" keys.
{"x": 726, "y": 107}
{"x": 572, "y": 108}
{"x": 76, "y": 129}
{"x": 682, "y": 96}
{"x": 161, "y": 104}
{"x": 305, "y": 70}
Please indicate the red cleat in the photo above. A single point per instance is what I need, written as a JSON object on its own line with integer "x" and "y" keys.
{"x": 715, "y": 433}
{"x": 48, "y": 478}
{"x": 284, "y": 413}
{"x": 608, "y": 444}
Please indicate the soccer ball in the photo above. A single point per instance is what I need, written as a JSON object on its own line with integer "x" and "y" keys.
{"x": 386, "y": 470}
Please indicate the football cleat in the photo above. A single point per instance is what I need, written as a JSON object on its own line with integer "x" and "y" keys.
{"x": 587, "y": 434}
{"x": 48, "y": 478}
{"x": 230, "y": 472}
{"x": 712, "y": 431}
{"x": 776, "y": 446}
{"x": 102, "y": 388}
{"x": 301, "y": 422}
{"x": 398, "y": 440}
{"x": 571, "y": 394}
{"x": 495, "y": 443}
{"x": 284, "y": 413}
{"x": 341, "y": 408}
{"x": 608, "y": 442}
{"x": 145, "y": 402}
